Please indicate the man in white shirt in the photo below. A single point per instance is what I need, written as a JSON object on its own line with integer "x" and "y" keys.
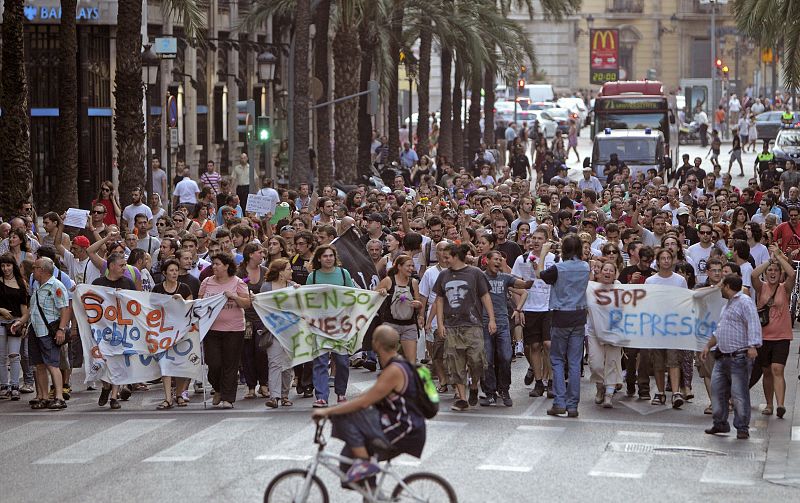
{"x": 734, "y": 107}
{"x": 137, "y": 206}
{"x": 673, "y": 205}
{"x": 427, "y": 313}
{"x": 273, "y": 198}
{"x": 590, "y": 181}
{"x": 240, "y": 177}
{"x": 186, "y": 193}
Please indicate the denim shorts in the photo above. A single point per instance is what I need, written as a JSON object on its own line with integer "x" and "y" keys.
{"x": 43, "y": 350}
{"x": 357, "y": 429}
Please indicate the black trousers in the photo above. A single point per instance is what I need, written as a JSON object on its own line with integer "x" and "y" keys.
{"x": 254, "y": 360}
{"x": 243, "y": 191}
{"x": 222, "y": 352}
{"x": 638, "y": 372}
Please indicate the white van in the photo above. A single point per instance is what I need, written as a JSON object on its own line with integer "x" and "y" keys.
{"x": 534, "y": 93}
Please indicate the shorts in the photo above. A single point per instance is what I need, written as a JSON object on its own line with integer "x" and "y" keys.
{"x": 705, "y": 368}
{"x": 407, "y": 332}
{"x": 537, "y": 327}
{"x": 358, "y": 429}
{"x": 773, "y": 352}
{"x": 464, "y": 348}
{"x": 664, "y": 359}
{"x": 43, "y": 350}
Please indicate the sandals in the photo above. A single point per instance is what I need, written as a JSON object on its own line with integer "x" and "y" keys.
{"x": 767, "y": 411}
{"x": 442, "y": 389}
{"x": 659, "y": 399}
{"x": 272, "y": 403}
{"x": 164, "y": 405}
{"x": 250, "y": 395}
{"x": 285, "y": 402}
{"x": 40, "y": 404}
{"x": 263, "y": 391}
{"x": 677, "y": 400}
{"x": 181, "y": 402}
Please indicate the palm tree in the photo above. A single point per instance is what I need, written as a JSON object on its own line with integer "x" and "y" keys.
{"x": 128, "y": 90}
{"x": 457, "y": 131}
{"x": 322, "y": 71}
{"x": 395, "y": 44}
{"x": 346, "y": 58}
{"x": 445, "y": 148}
{"x": 301, "y": 169}
{"x": 66, "y": 187}
{"x": 15, "y": 148}
{"x": 773, "y": 23}
{"x": 423, "y": 88}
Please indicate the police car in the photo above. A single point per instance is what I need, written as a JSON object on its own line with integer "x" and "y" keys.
{"x": 639, "y": 149}
{"x": 787, "y": 145}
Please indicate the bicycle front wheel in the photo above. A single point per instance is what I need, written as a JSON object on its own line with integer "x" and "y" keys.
{"x": 287, "y": 487}
{"x": 424, "y": 487}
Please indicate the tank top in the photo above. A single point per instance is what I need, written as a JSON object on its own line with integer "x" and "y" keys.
{"x": 780, "y": 323}
{"x": 401, "y": 420}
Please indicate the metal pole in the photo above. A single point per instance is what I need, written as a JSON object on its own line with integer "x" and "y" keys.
{"x": 712, "y": 92}
{"x": 290, "y": 108}
{"x": 410, "y": 107}
{"x": 148, "y": 155}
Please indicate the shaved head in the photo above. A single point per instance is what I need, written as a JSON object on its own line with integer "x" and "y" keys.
{"x": 385, "y": 338}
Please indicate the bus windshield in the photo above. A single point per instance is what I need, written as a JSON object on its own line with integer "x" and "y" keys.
{"x": 655, "y": 121}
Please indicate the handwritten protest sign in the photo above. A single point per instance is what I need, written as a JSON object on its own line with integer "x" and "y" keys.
{"x": 258, "y": 204}
{"x": 131, "y": 336}
{"x": 76, "y": 217}
{"x": 316, "y": 319}
{"x": 654, "y": 316}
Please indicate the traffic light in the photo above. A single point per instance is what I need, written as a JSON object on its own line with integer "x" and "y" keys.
{"x": 521, "y": 85}
{"x": 725, "y": 71}
{"x": 245, "y": 115}
{"x": 523, "y": 71}
{"x": 718, "y": 63}
{"x": 263, "y": 128}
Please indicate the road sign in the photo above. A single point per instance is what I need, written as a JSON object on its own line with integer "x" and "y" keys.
{"x": 166, "y": 47}
{"x": 172, "y": 111}
{"x": 173, "y": 137}
{"x": 603, "y": 55}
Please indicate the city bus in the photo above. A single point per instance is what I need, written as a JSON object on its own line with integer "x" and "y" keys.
{"x": 639, "y": 104}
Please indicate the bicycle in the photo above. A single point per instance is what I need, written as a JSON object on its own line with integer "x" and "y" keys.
{"x": 300, "y": 485}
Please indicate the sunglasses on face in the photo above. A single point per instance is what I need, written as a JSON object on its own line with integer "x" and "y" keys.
{"x": 704, "y": 233}
{"x": 94, "y": 212}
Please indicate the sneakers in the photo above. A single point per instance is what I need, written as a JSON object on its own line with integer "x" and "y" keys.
{"x": 320, "y": 404}
{"x": 341, "y": 399}
{"x": 15, "y": 397}
{"x": 659, "y": 399}
{"x": 185, "y": 395}
{"x": 519, "y": 349}
{"x": 124, "y": 392}
{"x": 361, "y": 470}
{"x": 556, "y": 411}
{"x": 103, "y": 400}
{"x": 115, "y": 405}
{"x": 473, "y": 397}
{"x": 459, "y": 405}
{"x": 742, "y": 435}
{"x": 677, "y": 400}
{"x": 5, "y": 393}
{"x": 600, "y": 394}
{"x": 308, "y": 392}
{"x": 506, "y": 398}
{"x": 572, "y": 413}
{"x": 528, "y": 377}
{"x": 538, "y": 389}
{"x": 644, "y": 395}
{"x": 717, "y": 429}
{"x": 607, "y": 401}
{"x": 198, "y": 388}
{"x": 489, "y": 401}
{"x": 26, "y": 388}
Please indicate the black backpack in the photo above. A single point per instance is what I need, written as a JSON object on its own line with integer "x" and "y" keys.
{"x": 427, "y": 400}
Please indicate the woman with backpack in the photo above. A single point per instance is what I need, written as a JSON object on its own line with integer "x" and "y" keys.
{"x": 399, "y": 310}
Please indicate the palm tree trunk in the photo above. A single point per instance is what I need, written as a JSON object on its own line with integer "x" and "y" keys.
{"x": 346, "y": 57}
{"x": 128, "y": 116}
{"x": 364, "y": 119}
{"x": 488, "y": 106}
{"x": 394, "y": 50}
{"x": 66, "y": 189}
{"x": 423, "y": 91}
{"x": 474, "y": 127}
{"x": 321, "y": 71}
{"x": 301, "y": 171}
{"x": 15, "y": 147}
{"x": 445, "y": 148}
{"x": 458, "y": 132}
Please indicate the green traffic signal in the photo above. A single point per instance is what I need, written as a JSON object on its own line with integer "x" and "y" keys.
{"x": 263, "y": 135}
{"x": 263, "y": 128}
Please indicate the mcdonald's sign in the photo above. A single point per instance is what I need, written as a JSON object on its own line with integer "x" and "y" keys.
{"x": 603, "y": 55}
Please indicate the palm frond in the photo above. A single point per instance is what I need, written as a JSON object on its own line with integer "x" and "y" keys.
{"x": 191, "y": 13}
{"x": 261, "y": 10}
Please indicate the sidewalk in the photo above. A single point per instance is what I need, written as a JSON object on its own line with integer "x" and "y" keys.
{"x": 783, "y": 451}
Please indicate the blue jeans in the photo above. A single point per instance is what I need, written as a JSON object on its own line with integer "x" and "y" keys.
{"x": 320, "y": 375}
{"x": 730, "y": 379}
{"x": 497, "y": 375}
{"x": 566, "y": 347}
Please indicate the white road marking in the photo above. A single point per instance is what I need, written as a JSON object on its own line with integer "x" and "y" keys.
{"x": 29, "y": 432}
{"x": 203, "y": 442}
{"x": 523, "y": 449}
{"x": 103, "y": 442}
{"x": 438, "y": 435}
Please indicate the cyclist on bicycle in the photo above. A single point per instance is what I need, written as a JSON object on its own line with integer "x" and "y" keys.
{"x": 787, "y": 235}
{"x": 386, "y": 415}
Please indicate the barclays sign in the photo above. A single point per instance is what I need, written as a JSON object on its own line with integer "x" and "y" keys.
{"x": 102, "y": 12}
{"x": 34, "y": 13}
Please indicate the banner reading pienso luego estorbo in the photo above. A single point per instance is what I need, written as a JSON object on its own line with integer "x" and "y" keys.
{"x": 654, "y": 316}
{"x": 317, "y": 319}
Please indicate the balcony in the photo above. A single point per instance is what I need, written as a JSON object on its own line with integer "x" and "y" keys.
{"x": 625, "y": 6}
{"x": 695, "y": 7}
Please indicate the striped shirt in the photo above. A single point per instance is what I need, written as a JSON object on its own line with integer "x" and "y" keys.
{"x": 739, "y": 326}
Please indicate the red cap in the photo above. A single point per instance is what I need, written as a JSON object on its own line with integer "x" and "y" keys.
{"x": 81, "y": 241}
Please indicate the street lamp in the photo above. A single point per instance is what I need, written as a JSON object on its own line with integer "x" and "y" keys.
{"x": 411, "y": 73}
{"x": 267, "y": 62}
{"x": 150, "y": 67}
{"x": 590, "y": 21}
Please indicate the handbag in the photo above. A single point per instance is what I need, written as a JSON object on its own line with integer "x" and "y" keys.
{"x": 763, "y": 311}
{"x": 53, "y": 326}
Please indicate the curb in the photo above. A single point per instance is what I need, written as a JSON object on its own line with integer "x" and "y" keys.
{"x": 782, "y": 465}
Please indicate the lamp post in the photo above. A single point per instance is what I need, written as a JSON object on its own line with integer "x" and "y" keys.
{"x": 411, "y": 73}
{"x": 266, "y": 72}
{"x": 150, "y": 66}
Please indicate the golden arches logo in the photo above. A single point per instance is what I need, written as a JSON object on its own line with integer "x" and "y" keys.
{"x": 606, "y": 37}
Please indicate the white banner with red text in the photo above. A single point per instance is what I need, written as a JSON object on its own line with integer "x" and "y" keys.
{"x": 131, "y": 337}
{"x": 654, "y": 316}
{"x": 317, "y": 319}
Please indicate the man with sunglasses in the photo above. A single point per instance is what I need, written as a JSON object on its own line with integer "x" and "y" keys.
{"x": 698, "y": 254}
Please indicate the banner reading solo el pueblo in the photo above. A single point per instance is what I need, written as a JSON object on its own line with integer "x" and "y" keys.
{"x": 131, "y": 336}
{"x": 654, "y": 316}
{"x": 316, "y": 319}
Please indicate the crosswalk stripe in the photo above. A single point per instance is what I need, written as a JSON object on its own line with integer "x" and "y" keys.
{"x": 523, "y": 449}
{"x": 30, "y": 432}
{"x": 615, "y": 462}
{"x": 103, "y": 442}
{"x": 207, "y": 440}
{"x": 297, "y": 447}
{"x": 438, "y": 434}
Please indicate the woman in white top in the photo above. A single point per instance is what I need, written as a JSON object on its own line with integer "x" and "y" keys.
{"x": 604, "y": 359}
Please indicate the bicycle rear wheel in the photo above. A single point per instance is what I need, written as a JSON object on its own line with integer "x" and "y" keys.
{"x": 424, "y": 487}
{"x": 287, "y": 486}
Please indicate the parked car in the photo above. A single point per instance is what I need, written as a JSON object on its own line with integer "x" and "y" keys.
{"x": 541, "y": 105}
{"x": 769, "y": 124}
{"x": 576, "y": 106}
{"x": 561, "y": 116}
{"x": 546, "y": 126}
{"x": 787, "y": 146}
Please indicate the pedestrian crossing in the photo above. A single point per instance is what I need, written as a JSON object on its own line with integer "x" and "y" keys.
{"x": 519, "y": 451}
